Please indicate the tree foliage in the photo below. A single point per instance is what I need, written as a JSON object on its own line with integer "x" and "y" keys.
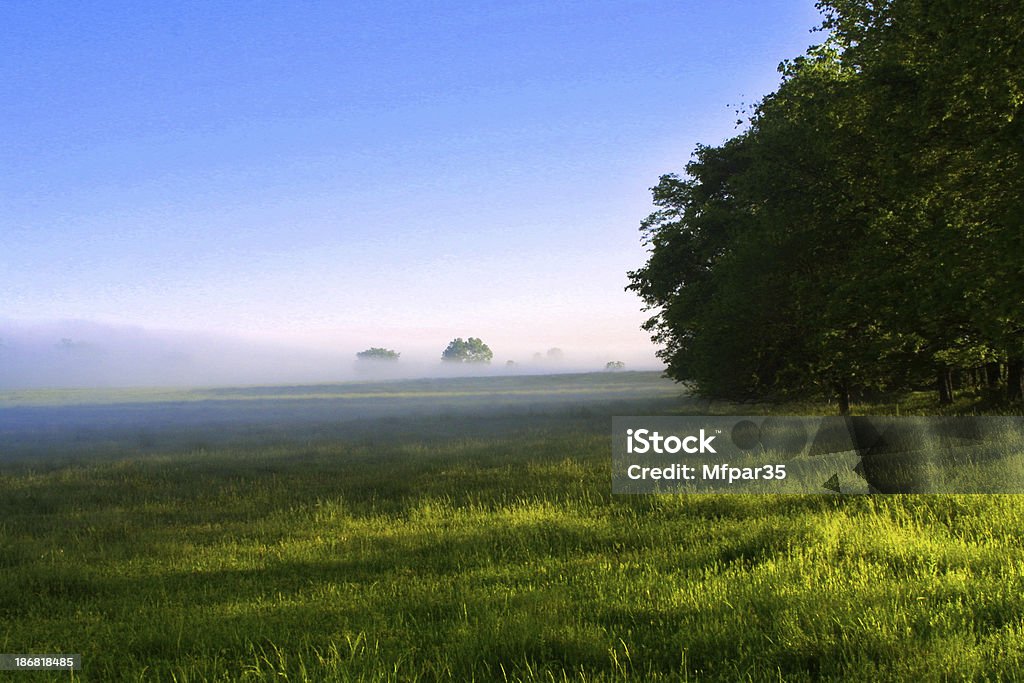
{"x": 864, "y": 232}
{"x": 377, "y": 353}
{"x": 472, "y": 350}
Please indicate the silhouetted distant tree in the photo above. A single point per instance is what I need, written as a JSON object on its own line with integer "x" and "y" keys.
{"x": 472, "y": 350}
{"x": 377, "y": 353}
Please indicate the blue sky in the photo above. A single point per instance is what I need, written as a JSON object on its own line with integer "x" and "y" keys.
{"x": 338, "y": 175}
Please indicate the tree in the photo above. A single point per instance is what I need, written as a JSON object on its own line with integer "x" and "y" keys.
{"x": 864, "y": 232}
{"x": 377, "y": 353}
{"x": 942, "y": 90}
{"x": 613, "y": 365}
{"x": 472, "y": 350}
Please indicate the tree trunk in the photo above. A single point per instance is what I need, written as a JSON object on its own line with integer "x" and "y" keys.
{"x": 945, "y": 381}
{"x": 992, "y": 375}
{"x": 843, "y": 394}
{"x": 1014, "y": 377}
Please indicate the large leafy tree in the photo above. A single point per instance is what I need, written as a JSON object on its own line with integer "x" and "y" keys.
{"x": 747, "y": 250}
{"x": 472, "y": 350}
{"x": 861, "y": 232}
{"x": 944, "y": 86}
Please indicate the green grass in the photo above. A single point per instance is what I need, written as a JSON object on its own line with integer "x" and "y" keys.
{"x": 483, "y": 545}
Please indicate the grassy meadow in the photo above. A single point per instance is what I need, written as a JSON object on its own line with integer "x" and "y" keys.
{"x": 464, "y": 529}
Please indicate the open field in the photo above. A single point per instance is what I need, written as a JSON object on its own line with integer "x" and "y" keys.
{"x": 464, "y": 530}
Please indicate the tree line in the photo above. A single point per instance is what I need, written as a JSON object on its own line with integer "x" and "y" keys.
{"x": 864, "y": 231}
{"x": 459, "y": 350}
{"x": 471, "y": 350}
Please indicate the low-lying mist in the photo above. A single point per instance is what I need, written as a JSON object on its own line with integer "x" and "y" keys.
{"x": 81, "y": 354}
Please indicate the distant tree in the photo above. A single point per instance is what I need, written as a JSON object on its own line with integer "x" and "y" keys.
{"x": 555, "y": 354}
{"x": 377, "y": 353}
{"x": 508, "y": 364}
{"x": 472, "y": 350}
{"x": 614, "y": 365}
{"x": 538, "y": 357}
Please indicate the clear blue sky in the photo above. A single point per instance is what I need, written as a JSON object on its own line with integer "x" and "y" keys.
{"x": 340, "y": 174}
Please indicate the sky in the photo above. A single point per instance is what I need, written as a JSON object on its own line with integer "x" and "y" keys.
{"x": 330, "y": 176}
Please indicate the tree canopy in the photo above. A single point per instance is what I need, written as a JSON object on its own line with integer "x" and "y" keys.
{"x": 377, "y": 353}
{"x": 864, "y": 231}
{"x": 472, "y": 350}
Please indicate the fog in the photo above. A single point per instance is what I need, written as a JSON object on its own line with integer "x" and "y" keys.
{"x": 80, "y": 354}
